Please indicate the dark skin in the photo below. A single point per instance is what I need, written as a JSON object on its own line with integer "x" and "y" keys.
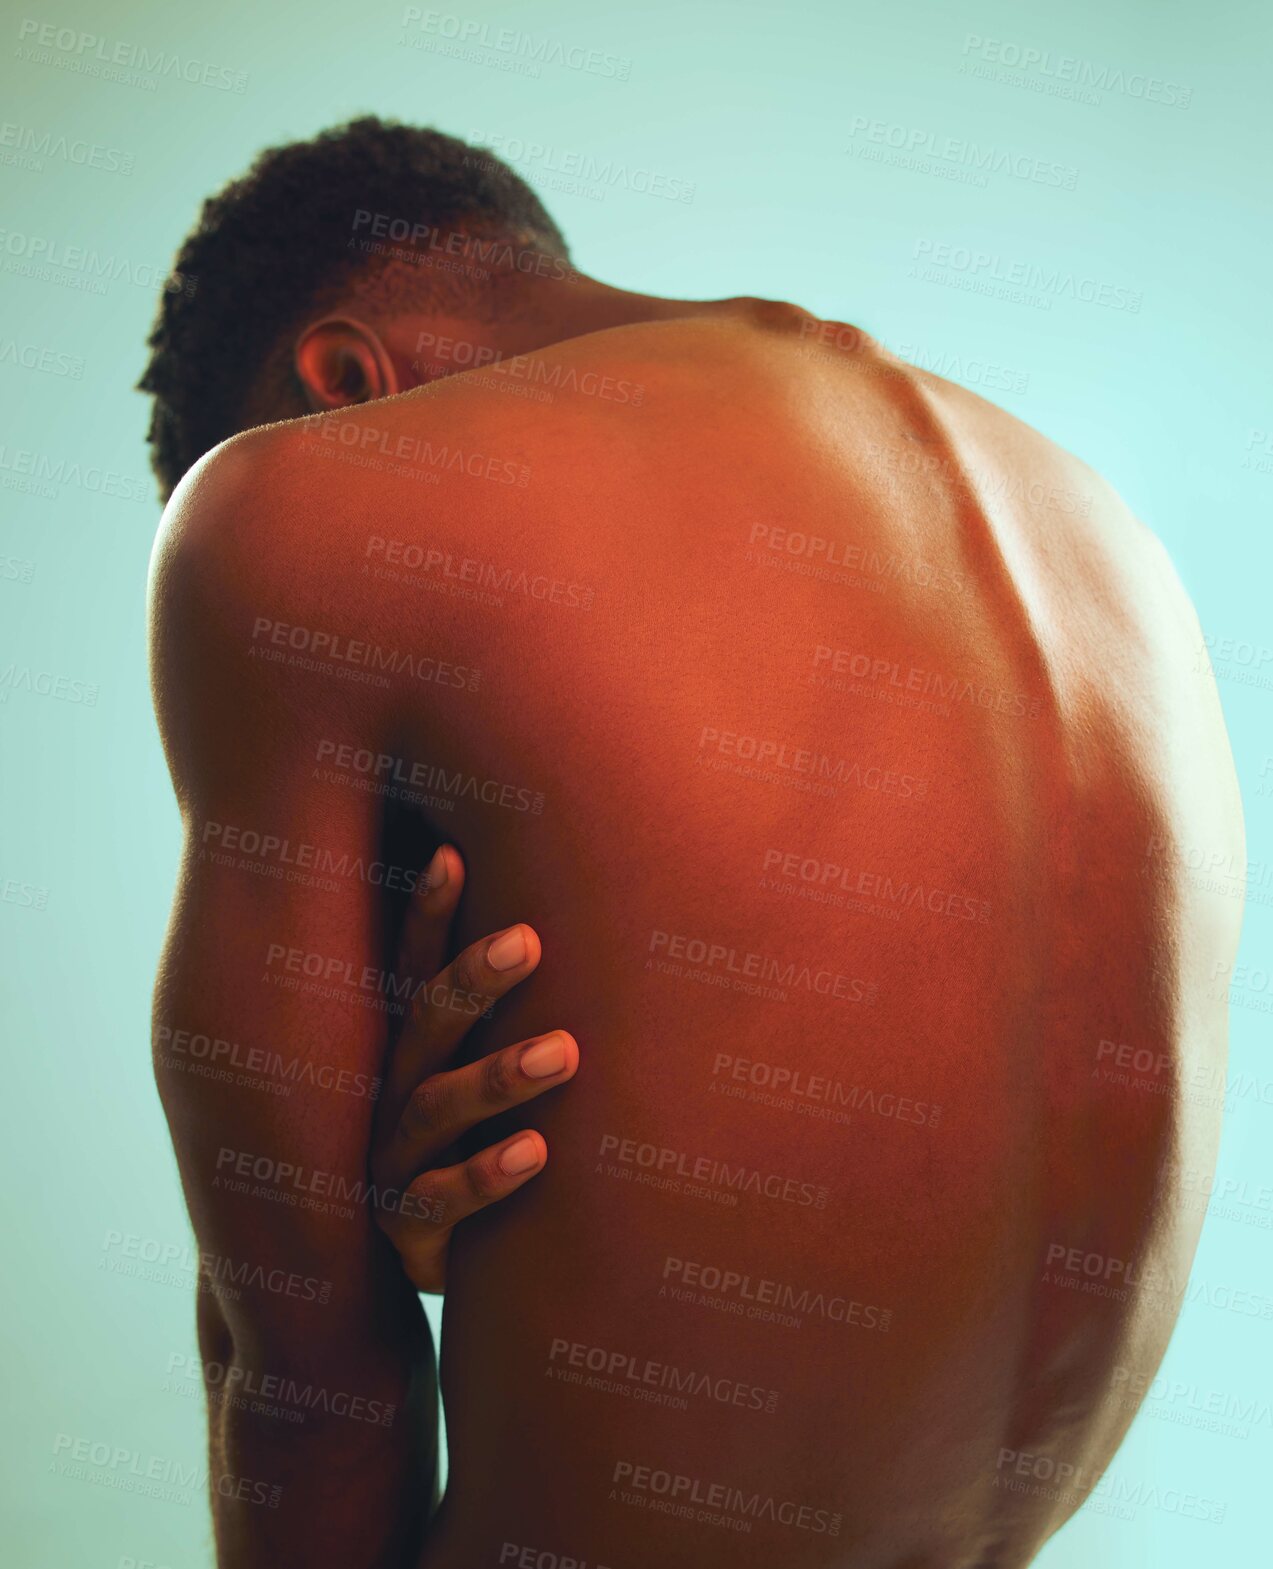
{"x": 421, "y": 1117}
{"x": 827, "y": 725}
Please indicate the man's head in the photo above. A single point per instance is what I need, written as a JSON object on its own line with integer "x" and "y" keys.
{"x": 302, "y": 283}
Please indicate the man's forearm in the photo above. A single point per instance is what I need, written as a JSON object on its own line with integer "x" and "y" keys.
{"x": 321, "y": 1449}
{"x": 316, "y": 1354}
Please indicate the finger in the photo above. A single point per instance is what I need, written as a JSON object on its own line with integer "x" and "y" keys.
{"x": 425, "y": 933}
{"x": 445, "y": 1009}
{"x": 446, "y": 1105}
{"x": 420, "y": 1217}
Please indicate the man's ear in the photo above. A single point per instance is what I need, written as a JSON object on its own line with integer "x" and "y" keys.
{"x": 341, "y": 361}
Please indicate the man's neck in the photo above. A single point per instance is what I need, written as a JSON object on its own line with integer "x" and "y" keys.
{"x": 586, "y": 305}
{"x": 544, "y": 312}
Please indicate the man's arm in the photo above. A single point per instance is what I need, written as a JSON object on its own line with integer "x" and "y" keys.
{"x": 301, "y": 1300}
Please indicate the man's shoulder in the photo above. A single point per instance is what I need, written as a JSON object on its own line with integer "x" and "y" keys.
{"x": 243, "y": 599}
{"x": 1007, "y": 458}
{"x": 266, "y": 518}
{"x": 215, "y": 515}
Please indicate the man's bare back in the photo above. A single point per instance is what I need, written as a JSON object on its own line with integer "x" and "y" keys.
{"x": 834, "y": 731}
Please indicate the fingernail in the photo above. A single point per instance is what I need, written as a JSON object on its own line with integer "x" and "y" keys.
{"x": 508, "y": 950}
{"x": 544, "y": 1058}
{"x": 438, "y": 874}
{"x": 519, "y": 1157}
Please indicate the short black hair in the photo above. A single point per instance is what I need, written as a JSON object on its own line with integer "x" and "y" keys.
{"x": 274, "y": 244}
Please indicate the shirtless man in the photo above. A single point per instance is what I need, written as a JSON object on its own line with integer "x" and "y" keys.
{"x": 823, "y": 739}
